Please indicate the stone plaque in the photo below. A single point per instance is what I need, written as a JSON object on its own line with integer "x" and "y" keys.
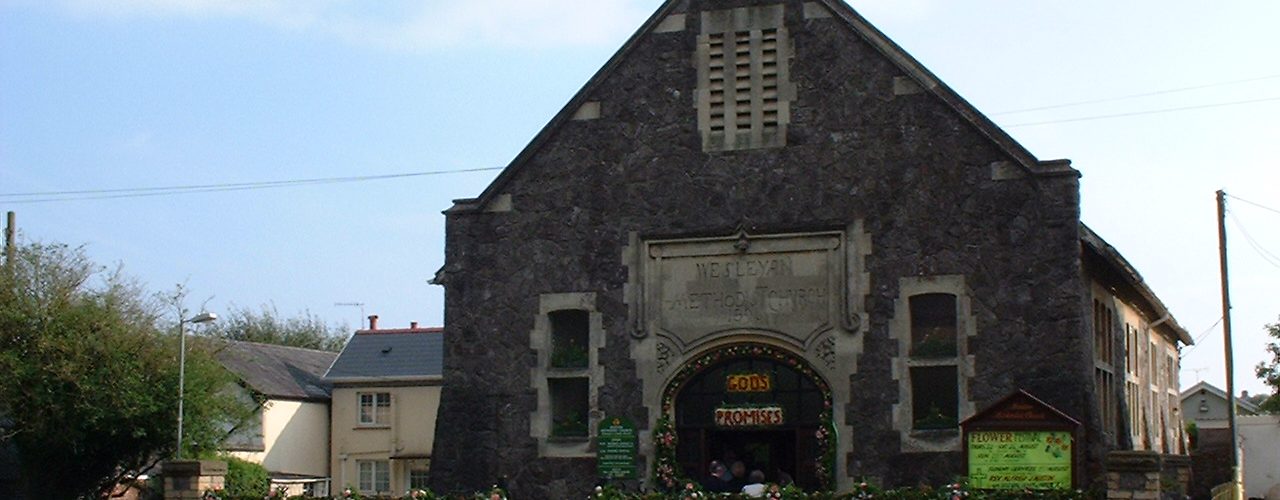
{"x": 789, "y": 285}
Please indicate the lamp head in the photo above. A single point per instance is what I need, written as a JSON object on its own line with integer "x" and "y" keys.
{"x": 203, "y": 317}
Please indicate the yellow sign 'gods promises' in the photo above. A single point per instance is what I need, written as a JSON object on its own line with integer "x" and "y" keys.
{"x": 748, "y": 382}
{"x": 1017, "y": 460}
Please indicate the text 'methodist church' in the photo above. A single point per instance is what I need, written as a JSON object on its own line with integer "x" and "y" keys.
{"x": 761, "y": 219}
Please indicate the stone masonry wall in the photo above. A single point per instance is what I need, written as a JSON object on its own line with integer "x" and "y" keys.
{"x": 917, "y": 174}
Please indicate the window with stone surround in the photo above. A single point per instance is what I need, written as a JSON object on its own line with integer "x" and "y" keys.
{"x": 932, "y": 322}
{"x": 567, "y": 336}
{"x": 934, "y": 384}
{"x": 744, "y": 88}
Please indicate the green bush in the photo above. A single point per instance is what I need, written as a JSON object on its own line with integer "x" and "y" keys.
{"x": 245, "y": 478}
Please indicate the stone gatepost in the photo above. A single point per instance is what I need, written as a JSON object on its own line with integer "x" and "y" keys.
{"x": 189, "y": 479}
{"x": 1147, "y": 475}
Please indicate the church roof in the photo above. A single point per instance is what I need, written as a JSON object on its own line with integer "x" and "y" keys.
{"x": 851, "y": 20}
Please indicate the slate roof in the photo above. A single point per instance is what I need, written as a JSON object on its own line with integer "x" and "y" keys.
{"x": 1244, "y": 406}
{"x": 279, "y": 371}
{"x": 391, "y": 355}
{"x": 1128, "y": 276}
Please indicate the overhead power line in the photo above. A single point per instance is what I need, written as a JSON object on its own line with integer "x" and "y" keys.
{"x": 1134, "y": 96}
{"x": 1267, "y": 255}
{"x": 141, "y": 192}
{"x": 1140, "y": 113}
{"x": 1201, "y": 337}
{"x": 1258, "y": 205}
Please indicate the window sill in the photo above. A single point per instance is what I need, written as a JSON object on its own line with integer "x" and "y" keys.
{"x": 553, "y": 372}
{"x": 935, "y": 433}
{"x": 569, "y": 439}
{"x": 371, "y": 427}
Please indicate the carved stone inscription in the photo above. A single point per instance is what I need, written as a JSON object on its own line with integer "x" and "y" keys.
{"x": 790, "y": 285}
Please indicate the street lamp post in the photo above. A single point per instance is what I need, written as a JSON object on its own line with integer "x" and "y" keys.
{"x": 204, "y": 317}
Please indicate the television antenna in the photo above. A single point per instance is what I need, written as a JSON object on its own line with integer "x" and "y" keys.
{"x": 363, "y": 318}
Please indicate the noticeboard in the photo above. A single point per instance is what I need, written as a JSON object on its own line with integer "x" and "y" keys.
{"x": 1016, "y": 460}
{"x": 1021, "y": 443}
{"x": 616, "y": 449}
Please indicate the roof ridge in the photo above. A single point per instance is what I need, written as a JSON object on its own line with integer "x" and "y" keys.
{"x": 282, "y": 346}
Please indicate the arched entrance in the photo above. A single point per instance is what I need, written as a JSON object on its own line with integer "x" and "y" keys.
{"x": 754, "y": 403}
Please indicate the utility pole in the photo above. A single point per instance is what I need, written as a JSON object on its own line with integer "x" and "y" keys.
{"x": 10, "y": 239}
{"x": 1226, "y": 337}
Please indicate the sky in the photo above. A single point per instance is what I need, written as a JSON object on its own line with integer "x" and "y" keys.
{"x": 1179, "y": 101}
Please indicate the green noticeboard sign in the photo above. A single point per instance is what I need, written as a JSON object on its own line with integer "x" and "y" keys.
{"x": 1016, "y": 460}
{"x": 616, "y": 449}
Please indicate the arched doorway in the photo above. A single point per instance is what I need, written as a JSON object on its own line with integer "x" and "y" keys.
{"x": 754, "y": 403}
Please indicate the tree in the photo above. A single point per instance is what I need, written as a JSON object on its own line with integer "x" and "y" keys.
{"x": 1269, "y": 372}
{"x": 266, "y": 326}
{"x": 91, "y": 376}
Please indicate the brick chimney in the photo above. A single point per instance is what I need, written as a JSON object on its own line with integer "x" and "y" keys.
{"x": 373, "y": 322}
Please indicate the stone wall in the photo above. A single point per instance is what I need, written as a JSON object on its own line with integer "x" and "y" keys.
{"x": 1145, "y": 475}
{"x": 933, "y": 193}
{"x": 189, "y": 479}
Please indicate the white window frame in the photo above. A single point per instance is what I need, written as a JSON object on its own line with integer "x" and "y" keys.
{"x": 371, "y": 483}
{"x": 375, "y": 400}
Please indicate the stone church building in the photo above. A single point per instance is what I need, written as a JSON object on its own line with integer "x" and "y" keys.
{"x": 763, "y": 232}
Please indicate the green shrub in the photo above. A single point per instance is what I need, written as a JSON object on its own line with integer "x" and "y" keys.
{"x": 245, "y": 478}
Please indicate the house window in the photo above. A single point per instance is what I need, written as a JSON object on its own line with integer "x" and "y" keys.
{"x": 418, "y": 479}
{"x": 1104, "y": 372}
{"x": 743, "y": 83}
{"x": 375, "y": 476}
{"x": 375, "y": 408}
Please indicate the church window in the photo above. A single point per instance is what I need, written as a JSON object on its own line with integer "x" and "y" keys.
{"x": 933, "y": 324}
{"x": 569, "y": 339}
{"x": 567, "y": 336}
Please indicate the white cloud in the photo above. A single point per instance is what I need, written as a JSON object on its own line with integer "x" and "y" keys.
{"x": 409, "y": 25}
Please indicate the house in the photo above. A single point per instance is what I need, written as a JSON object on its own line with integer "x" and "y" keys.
{"x": 1258, "y": 438}
{"x": 1204, "y": 404}
{"x": 386, "y": 389}
{"x": 289, "y": 435}
{"x": 1136, "y": 355}
{"x": 764, "y": 232}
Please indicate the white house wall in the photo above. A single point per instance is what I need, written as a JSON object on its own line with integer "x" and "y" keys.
{"x": 296, "y": 438}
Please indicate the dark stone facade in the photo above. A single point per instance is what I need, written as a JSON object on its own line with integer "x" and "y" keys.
{"x": 918, "y": 169}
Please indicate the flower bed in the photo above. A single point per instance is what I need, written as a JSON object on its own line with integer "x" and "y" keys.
{"x": 691, "y": 491}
